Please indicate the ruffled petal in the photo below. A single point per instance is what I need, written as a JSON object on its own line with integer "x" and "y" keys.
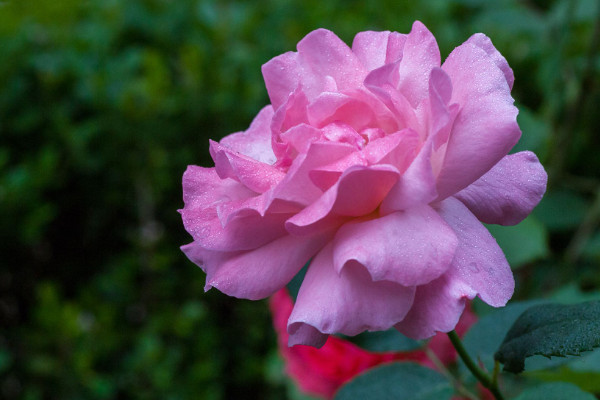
{"x": 282, "y": 75}
{"x": 255, "y": 142}
{"x": 478, "y": 261}
{"x": 415, "y": 187}
{"x": 420, "y": 55}
{"x": 508, "y": 192}
{"x": 297, "y": 185}
{"x": 486, "y": 127}
{"x": 325, "y": 55}
{"x": 358, "y": 192}
{"x": 257, "y": 273}
{"x": 348, "y": 303}
{"x": 411, "y": 247}
{"x": 331, "y": 107}
{"x": 255, "y": 175}
{"x": 243, "y": 233}
{"x": 437, "y": 308}
{"x": 375, "y": 49}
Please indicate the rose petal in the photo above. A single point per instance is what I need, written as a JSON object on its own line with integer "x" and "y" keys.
{"x": 411, "y": 247}
{"x": 508, "y": 192}
{"x": 374, "y": 49}
{"x": 243, "y": 233}
{"x": 258, "y": 273}
{"x": 486, "y": 126}
{"x": 297, "y": 186}
{"x": 326, "y": 55}
{"x": 415, "y": 187}
{"x": 482, "y": 41}
{"x": 358, "y": 192}
{"x": 478, "y": 261}
{"x": 437, "y": 308}
{"x": 331, "y": 107}
{"x": 348, "y": 303}
{"x": 255, "y": 142}
{"x": 255, "y": 175}
{"x": 420, "y": 55}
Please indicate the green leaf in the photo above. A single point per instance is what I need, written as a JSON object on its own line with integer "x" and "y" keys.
{"x": 550, "y": 330}
{"x": 523, "y": 243}
{"x": 382, "y": 341}
{"x": 555, "y": 391}
{"x": 397, "y": 381}
{"x": 482, "y": 339}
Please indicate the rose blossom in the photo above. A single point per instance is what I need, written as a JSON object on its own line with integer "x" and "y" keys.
{"x": 321, "y": 372}
{"x": 378, "y": 165}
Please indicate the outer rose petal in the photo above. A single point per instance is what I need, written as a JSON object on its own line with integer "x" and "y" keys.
{"x": 479, "y": 267}
{"x": 348, "y": 303}
{"x": 508, "y": 192}
{"x": 478, "y": 261}
{"x": 258, "y": 273}
{"x": 255, "y": 175}
{"x": 437, "y": 308}
{"x": 484, "y": 42}
{"x": 486, "y": 126}
{"x": 411, "y": 247}
{"x": 255, "y": 142}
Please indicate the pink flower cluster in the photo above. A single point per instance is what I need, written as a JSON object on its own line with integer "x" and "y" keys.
{"x": 376, "y": 163}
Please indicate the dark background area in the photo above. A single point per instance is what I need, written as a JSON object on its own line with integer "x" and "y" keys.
{"x": 103, "y": 104}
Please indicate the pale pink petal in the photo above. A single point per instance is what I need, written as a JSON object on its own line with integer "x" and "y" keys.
{"x": 508, "y": 192}
{"x": 398, "y": 149}
{"x": 348, "y": 303}
{"x": 293, "y": 113}
{"x": 258, "y": 273}
{"x": 297, "y": 186}
{"x": 331, "y": 107}
{"x": 484, "y": 42}
{"x": 415, "y": 187}
{"x": 479, "y": 267}
{"x": 255, "y": 175}
{"x": 486, "y": 126}
{"x": 282, "y": 76}
{"x": 243, "y": 233}
{"x": 442, "y": 114}
{"x": 326, "y": 55}
{"x": 255, "y": 142}
{"x": 437, "y": 308}
{"x": 358, "y": 192}
{"x": 411, "y": 247}
{"x": 203, "y": 188}
{"x": 382, "y": 82}
{"x": 420, "y": 55}
{"x": 374, "y": 49}
{"x": 479, "y": 261}
{"x": 299, "y": 138}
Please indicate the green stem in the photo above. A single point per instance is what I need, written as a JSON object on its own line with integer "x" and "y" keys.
{"x": 481, "y": 376}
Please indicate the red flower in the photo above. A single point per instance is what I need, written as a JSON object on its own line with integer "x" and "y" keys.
{"x": 322, "y": 371}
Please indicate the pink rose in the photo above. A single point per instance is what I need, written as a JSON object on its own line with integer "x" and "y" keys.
{"x": 378, "y": 165}
{"x": 321, "y": 372}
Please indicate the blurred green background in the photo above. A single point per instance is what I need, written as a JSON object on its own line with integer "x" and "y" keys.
{"x": 103, "y": 104}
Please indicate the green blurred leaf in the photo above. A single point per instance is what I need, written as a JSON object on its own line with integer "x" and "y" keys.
{"x": 397, "y": 381}
{"x": 523, "y": 243}
{"x": 561, "y": 210}
{"x": 383, "y": 341}
{"x": 484, "y": 337}
{"x": 550, "y": 330}
{"x": 555, "y": 391}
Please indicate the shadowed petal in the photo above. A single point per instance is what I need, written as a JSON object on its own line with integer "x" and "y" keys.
{"x": 508, "y": 192}
{"x": 348, "y": 303}
{"x": 411, "y": 247}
